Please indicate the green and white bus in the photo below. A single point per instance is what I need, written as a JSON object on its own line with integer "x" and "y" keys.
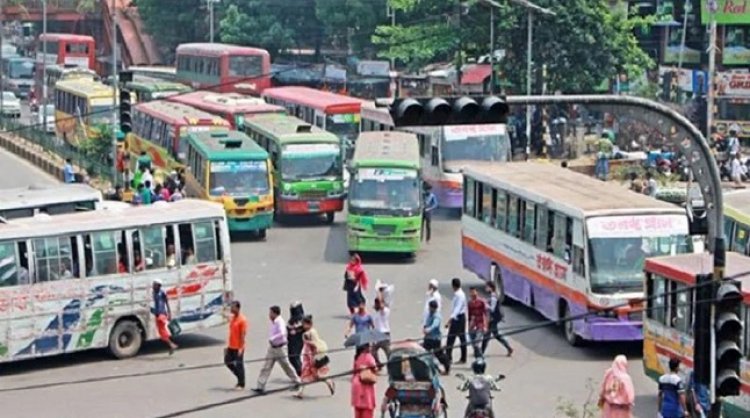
{"x": 227, "y": 167}
{"x": 147, "y": 89}
{"x": 385, "y": 200}
{"x": 307, "y": 165}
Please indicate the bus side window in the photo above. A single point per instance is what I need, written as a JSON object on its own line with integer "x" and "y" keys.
{"x": 52, "y": 258}
{"x": 657, "y": 303}
{"x": 187, "y": 246}
{"x": 153, "y": 244}
{"x": 9, "y": 266}
{"x": 217, "y": 237}
{"x": 206, "y": 249}
{"x": 529, "y": 221}
{"x": 513, "y": 212}
{"x": 104, "y": 250}
{"x": 490, "y": 198}
{"x": 728, "y": 232}
{"x": 541, "y": 228}
{"x": 469, "y": 196}
{"x": 746, "y": 339}
{"x": 740, "y": 238}
{"x": 478, "y": 200}
{"x": 579, "y": 261}
{"x": 558, "y": 241}
{"x": 681, "y": 312}
{"x": 501, "y": 210}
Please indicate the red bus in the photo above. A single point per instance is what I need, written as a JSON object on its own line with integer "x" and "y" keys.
{"x": 159, "y": 129}
{"x": 66, "y": 50}
{"x": 233, "y": 107}
{"x": 224, "y": 67}
{"x": 333, "y": 112}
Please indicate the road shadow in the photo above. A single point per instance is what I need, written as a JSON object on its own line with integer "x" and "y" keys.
{"x": 548, "y": 341}
{"x": 247, "y": 236}
{"x": 154, "y": 347}
{"x": 306, "y": 221}
{"x": 336, "y": 247}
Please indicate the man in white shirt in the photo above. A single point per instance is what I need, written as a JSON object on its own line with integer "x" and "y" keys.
{"x": 277, "y": 341}
{"x": 381, "y": 319}
{"x": 457, "y": 324}
{"x": 432, "y": 294}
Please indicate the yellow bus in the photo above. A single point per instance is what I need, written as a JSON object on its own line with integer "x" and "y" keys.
{"x": 737, "y": 220}
{"x": 81, "y": 105}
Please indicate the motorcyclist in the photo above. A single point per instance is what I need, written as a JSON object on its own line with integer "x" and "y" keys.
{"x": 480, "y": 387}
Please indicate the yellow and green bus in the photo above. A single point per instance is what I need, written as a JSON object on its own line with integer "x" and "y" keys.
{"x": 227, "y": 167}
{"x": 307, "y": 164}
{"x": 147, "y": 89}
{"x": 737, "y": 220}
{"x": 80, "y": 105}
{"x": 385, "y": 199}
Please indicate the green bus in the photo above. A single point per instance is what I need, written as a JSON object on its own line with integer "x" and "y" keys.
{"x": 385, "y": 194}
{"x": 229, "y": 168}
{"x": 147, "y": 89}
{"x": 307, "y": 165}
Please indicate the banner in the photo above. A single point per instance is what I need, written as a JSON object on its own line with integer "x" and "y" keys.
{"x": 729, "y": 12}
{"x": 733, "y": 84}
{"x": 736, "y": 50}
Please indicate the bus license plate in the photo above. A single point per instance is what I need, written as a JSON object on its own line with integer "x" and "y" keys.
{"x": 313, "y": 206}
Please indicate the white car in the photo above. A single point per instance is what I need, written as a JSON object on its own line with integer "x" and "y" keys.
{"x": 49, "y": 127}
{"x": 11, "y": 105}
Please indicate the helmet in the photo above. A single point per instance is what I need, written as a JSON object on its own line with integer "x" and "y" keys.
{"x": 478, "y": 366}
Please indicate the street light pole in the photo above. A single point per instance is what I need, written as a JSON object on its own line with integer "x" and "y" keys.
{"x": 115, "y": 83}
{"x": 44, "y": 64}
{"x": 529, "y": 44}
{"x": 211, "y": 21}
{"x": 492, "y": 50}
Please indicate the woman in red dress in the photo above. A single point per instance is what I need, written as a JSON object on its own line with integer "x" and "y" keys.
{"x": 314, "y": 358}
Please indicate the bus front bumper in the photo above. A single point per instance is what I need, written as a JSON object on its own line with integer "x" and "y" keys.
{"x": 611, "y": 329}
{"x": 257, "y": 222}
{"x": 383, "y": 244}
{"x": 305, "y": 207}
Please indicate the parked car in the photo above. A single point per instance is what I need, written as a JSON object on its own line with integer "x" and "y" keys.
{"x": 11, "y": 105}
{"x": 49, "y": 127}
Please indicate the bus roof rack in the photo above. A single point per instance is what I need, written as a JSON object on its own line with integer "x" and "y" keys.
{"x": 304, "y": 128}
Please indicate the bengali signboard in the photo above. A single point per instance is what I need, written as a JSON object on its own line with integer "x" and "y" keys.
{"x": 733, "y": 84}
{"x": 728, "y": 12}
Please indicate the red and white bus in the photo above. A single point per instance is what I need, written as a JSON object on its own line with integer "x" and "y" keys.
{"x": 224, "y": 67}
{"x": 233, "y": 107}
{"x": 66, "y": 49}
{"x": 333, "y": 112}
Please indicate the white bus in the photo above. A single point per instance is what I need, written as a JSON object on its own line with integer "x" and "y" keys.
{"x": 566, "y": 244}
{"x": 446, "y": 150}
{"x": 81, "y": 281}
{"x": 52, "y": 200}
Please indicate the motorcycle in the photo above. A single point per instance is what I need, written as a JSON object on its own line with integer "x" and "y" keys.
{"x": 480, "y": 404}
{"x": 34, "y": 105}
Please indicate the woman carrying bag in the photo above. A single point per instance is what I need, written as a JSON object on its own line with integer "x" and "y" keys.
{"x": 314, "y": 358}
{"x": 363, "y": 383}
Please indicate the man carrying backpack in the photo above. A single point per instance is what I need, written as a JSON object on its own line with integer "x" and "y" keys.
{"x": 496, "y": 316}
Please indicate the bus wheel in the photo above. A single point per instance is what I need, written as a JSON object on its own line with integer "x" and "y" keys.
{"x": 126, "y": 339}
{"x": 330, "y": 216}
{"x": 568, "y": 328}
{"x": 261, "y": 233}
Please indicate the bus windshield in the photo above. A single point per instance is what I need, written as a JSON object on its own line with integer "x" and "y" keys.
{"x": 619, "y": 245}
{"x": 21, "y": 69}
{"x": 238, "y": 178}
{"x": 385, "y": 191}
{"x": 311, "y": 161}
{"x": 343, "y": 125}
{"x": 470, "y": 142}
{"x": 245, "y": 65}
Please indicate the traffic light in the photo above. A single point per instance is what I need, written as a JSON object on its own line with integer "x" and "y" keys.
{"x": 704, "y": 292}
{"x": 126, "y": 121}
{"x": 463, "y": 110}
{"x": 728, "y": 336}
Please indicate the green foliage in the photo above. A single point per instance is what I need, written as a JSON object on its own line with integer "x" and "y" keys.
{"x": 350, "y": 23}
{"x": 172, "y": 22}
{"x": 95, "y": 151}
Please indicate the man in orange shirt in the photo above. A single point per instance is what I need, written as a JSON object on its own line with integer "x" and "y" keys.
{"x": 233, "y": 354}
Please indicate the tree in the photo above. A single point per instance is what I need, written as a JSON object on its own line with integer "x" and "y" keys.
{"x": 173, "y": 22}
{"x": 275, "y": 25}
{"x": 351, "y": 23}
{"x": 587, "y": 41}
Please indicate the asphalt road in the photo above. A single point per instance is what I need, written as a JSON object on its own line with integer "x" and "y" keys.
{"x": 304, "y": 262}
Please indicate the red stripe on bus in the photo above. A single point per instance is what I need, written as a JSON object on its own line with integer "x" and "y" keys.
{"x": 689, "y": 362}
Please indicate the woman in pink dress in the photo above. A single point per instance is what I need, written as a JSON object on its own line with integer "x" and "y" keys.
{"x": 314, "y": 358}
{"x": 617, "y": 395}
{"x": 363, "y": 383}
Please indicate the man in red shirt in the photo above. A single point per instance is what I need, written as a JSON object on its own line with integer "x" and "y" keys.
{"x": 233, "y": 354}
{"x": 477, "y": 308}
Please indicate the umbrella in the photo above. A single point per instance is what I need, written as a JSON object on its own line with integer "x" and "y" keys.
{"x": 365, "y": 338}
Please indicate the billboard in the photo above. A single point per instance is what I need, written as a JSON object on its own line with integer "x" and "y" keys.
{"x": 728, "y": 12}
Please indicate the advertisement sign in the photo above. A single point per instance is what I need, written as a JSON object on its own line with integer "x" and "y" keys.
{"x": 385, "y": 174}
{"x": 461, "y": 132}
{"x": 736, "y": 51}
{"x": 635, "y": 226}
{"x": 674, "y": 45}
{"x": 237, "y": 166}
{"x": 733, "y": 84}
{"x": 728, "y": 12}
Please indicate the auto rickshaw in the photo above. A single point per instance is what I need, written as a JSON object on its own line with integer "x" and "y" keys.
{"x": 414, "y": 389}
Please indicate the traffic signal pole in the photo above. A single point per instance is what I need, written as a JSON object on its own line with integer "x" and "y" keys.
{"x": 115, "y": 82}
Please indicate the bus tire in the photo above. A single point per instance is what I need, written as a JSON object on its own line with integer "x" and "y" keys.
{"x": 569, "y": 329}
{"x": 126, "y": 339}
{"x": 497, "y": 278}
{"x": 330, "y": 217}
{"x": 261, "y": 233}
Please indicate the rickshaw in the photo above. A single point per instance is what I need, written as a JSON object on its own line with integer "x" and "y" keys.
{"x": 414, "y": 389}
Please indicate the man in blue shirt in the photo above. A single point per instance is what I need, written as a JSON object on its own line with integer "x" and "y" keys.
{"x": 163, "y": 314}
{"x": 430, "y": 204}
{"x": 672, "y": 392}
{"x": 701, "y": 399}
{"x": 433, "y": 336}
{"x": 69, "y": 175}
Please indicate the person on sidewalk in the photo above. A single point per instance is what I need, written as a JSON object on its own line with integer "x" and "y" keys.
{"x": 496, "y": 316}
{"x": 235, "y": 351}
{"x": 277, "y": 341}
{"x": 381, "y": 320}
{"x": 457, "y": 324}
{"x": 69, "y": 175}
{"x": 163, "y": 314}
{"x": 478, "y": 321}
{"x": 433, "y": 293}
{"x": 433, "y": 337}
{"x": 361, "y": 321}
